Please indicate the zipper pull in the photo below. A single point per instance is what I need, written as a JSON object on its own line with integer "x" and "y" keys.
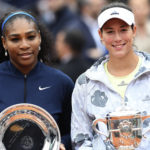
{"x": 25, "y": 76}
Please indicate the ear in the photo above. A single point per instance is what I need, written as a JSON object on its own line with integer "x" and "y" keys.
{"x": 4, "y": 42}
{"x": 134, "y": 31}
{"x": 100, "y": 34}
{"x": 39, "y": 36}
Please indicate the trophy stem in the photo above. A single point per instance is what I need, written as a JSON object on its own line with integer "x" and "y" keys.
{"x": 109, "y": 145}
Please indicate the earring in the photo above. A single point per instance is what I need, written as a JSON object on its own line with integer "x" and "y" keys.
{"x": 6, "y": 54}
{"x": 39, "y": 48}
{"x": 101, "y": 41}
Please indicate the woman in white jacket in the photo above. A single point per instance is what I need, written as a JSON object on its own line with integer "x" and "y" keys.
{"x": 121, "y": 77}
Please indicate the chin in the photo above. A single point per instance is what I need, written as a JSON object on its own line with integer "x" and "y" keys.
{"x": 28, "y": 63}
{"x": 119, "y": 55}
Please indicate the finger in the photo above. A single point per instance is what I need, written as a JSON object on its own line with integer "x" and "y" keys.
{"x": 62, "y": 147}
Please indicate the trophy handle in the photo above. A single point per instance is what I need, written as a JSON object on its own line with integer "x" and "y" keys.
{"x": 143, "y": 118}
{"x": 95, "y": 122}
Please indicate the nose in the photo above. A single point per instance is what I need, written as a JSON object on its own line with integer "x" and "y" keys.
{"x": 24, "y": 44}
{"x": 117, "y": 37}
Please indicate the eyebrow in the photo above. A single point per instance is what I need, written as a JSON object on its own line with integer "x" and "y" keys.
{"x": 11, "y": 35}
{"x": 122, "y": 26}
{"x": 107, "y": 28}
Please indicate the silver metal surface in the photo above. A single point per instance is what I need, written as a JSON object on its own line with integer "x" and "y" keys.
{"x": 28, "y": 127}
{"x": 124, "y": 129}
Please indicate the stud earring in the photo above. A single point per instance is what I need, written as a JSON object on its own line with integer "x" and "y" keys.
{"x": 101, "y": 41}
{"x": 6, "y": 54}
{"x": 39, "y": 48}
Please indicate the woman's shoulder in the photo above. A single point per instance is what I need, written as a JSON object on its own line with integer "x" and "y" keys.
{"x": 144, "y": 55}
{"x": 4, "y": 66}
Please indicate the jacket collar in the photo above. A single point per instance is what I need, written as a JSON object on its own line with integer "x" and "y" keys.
{"x": 13, "y": 69}
{"x": 96, "y": 72}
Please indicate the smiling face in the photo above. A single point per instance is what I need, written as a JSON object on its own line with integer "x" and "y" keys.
{"x": 118, "y": 37}
{"x": 22, "y": 40}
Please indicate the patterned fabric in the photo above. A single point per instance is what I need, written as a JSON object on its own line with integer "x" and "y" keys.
{"x": 94, "y": 97}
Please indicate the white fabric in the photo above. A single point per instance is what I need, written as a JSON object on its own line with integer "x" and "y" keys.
{"x": 94, "y": 97}
{"x": 116, "y": 12}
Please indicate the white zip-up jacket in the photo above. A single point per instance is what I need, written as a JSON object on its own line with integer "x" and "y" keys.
{"x": 94, "y": 97}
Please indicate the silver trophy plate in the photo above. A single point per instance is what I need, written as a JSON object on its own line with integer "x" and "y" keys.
{"x": 28, "y": 127}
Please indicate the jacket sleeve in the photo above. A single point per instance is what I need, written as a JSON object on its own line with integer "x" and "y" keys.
{"x": 65, "y": 121}
{"x": 81, "y": 130}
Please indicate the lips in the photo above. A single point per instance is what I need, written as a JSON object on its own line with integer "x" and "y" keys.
{"x": 118, "y": 46}
{"x": 26, "y": 55}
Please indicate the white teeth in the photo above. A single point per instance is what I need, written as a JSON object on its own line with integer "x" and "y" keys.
{"x": 118, "y": 46}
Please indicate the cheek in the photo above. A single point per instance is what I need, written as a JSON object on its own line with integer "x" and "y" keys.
{"x": 129, "y": 39}
{"x": 11, "y": 47}
{"x": 35, "y": 47}
{"x": 36, "y": 52}
{"x": 13, "y": 55}
{"x": 107, "y": 40}
{"x": 12, "y": 50}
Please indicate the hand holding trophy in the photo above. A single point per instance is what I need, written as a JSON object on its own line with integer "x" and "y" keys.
{"x": 124, "y": 129}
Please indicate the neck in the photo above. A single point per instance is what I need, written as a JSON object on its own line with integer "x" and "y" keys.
{"x": 122, "y": 66}
{"x": 25, "y": 69}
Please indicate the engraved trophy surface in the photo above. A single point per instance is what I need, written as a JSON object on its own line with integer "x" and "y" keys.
{"x": 124, "y": 129}
{"x": 28, "y": 127}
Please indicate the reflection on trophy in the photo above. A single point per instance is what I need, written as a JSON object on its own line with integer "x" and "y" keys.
{"x": 124, "y": 129}
{"x": 28, "y": 127}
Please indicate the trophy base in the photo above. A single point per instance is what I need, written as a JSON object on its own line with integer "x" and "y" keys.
{"x": 126, "y": 148}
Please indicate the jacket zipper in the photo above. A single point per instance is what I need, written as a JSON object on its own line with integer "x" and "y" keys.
{"x": 25, "y": 88}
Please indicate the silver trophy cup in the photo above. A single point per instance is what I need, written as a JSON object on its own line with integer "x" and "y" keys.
{"x": 124, "y": 129}
{"x": 28, "y": 127}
